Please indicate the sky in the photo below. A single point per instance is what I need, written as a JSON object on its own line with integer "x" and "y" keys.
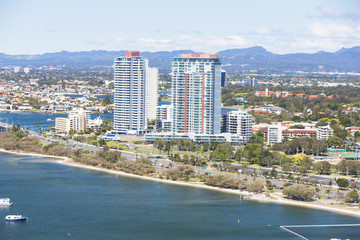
{"x": 280, "y": 26}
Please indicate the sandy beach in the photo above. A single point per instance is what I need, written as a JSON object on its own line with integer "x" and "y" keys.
{"x": 249, "y": 196}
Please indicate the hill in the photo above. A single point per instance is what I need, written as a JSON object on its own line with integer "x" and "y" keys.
{"x": 233, "y": 60}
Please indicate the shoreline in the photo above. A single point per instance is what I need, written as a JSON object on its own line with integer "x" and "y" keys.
{"x": 249, "y": 196}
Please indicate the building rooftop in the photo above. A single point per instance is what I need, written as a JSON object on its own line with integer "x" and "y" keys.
{"x": 132, "y": 54}
{"x": 199, "y": 56}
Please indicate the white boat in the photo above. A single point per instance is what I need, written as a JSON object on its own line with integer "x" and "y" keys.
{"x": 15, "y": 218}
{"x": 49, "y": 119}
{"x": 5, "y": 202}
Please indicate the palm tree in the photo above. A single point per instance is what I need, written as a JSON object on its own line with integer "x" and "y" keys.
{"x": 135, "y": 148}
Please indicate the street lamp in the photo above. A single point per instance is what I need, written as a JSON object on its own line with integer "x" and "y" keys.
{"x": 239, "y": 172}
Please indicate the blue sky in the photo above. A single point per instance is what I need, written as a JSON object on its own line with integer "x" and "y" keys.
{"x": 281, "y": 26}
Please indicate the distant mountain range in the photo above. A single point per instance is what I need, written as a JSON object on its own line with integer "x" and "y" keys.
{"x": 233, "y": 60}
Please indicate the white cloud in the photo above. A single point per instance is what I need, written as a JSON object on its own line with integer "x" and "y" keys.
{"x": 330, "y": 13}
{"x": 315, "y": 37}
{"x": 316, "y": 45}
{"x": 326, "y": 37}
{"x": 263, "y": 31}
{"x": 184, "y": 41}
{"x": 333, "y": 30}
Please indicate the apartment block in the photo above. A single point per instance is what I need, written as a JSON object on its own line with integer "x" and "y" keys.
{"x": 130, "y": 94}
{"x": 196, "y": 86}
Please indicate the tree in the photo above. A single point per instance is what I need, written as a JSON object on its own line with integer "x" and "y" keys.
{"x": 159, "y": 144}
{"x": 249, "y": 151}
{"x": 77, "y": 153}
{"x": 269, "y": 185}
{"x": 239, "y": 153}
{"x": 352, "y": 196}
{"x": 20, "y": 134}
{"x": 223, "y": 152}
{"x": 114, "y": 156}
{"x": 305, "y": 144}
{"x": 299, "y": 193}
{"x": 335, "y": 141}
{"x": 168, "y": 147}
{"x": 273, "y": 173}
{"x": 255, "y": 187}
{"x": 319, "y": 146}
{"x": 107, "y": 100}
{"x": 323, "y": 167}
{"x": 205, "y": 147}
{"x": 298, "y": 158}
{"x": 342, "y": 182}
{"x": 286, "y": 167}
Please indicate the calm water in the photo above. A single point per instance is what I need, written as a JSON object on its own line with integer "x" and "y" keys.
{"x": 90, "y": 205}
{"x": 32, "y": 119}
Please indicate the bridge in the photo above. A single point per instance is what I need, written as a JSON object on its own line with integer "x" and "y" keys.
{"x": 4, "y": 126}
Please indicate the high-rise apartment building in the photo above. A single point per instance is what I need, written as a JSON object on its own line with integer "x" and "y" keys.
{"x": 152, "y": 78}
{"x": 196, "y": 89}
{"x": 223, "y": 78}
{"x": 250, "y": 82}
{"x": 130, "y": 94}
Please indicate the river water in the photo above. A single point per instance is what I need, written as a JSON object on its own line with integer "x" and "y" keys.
{"x": 64, "y": 202}
{"x": 43, "y": 120}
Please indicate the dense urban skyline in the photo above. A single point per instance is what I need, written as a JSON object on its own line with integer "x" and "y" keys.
{"x": 35, "y": 27}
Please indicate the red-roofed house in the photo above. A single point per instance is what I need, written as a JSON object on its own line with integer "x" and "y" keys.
{"x": 353, "y": 130}
{"x": 313, "y": 96}
{"x": 267, "y": 93}
{"x": 260, "y": 93}
{"x": 293, "y": 133}
{"x": 261, "y": 111}
{"x": 346, "y": 111}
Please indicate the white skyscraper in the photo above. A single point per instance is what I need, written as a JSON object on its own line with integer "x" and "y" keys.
{"x": 152, "y": 78}
{"x": 196, "y": 86}
{"x": 130, "y": 90}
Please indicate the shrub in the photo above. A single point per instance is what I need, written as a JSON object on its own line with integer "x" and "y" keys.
{"x": 299, "y": 193}
{"x": 182, "y": 172}
{"x": 269, "y": 185}
{"x": 342, "y": 183}
{"x": 255, "y": 187}
{"x": 352, "y": 196}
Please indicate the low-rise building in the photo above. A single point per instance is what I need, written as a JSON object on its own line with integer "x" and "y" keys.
{"x": 274, "y": 134}
{"x": 164, "y": 117}
{"x": 239, "y": 123}
{"x": 324, "y": 132}
{"x": 197, "y": 138}
{"x": 76, "y": 122}
{"x": 353, "y": 130}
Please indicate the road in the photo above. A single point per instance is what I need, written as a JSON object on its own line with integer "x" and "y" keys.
{"x": 165, "y": 162}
